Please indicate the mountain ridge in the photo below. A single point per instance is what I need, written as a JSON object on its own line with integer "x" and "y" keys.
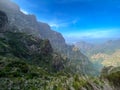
{"x": 29, "y": 24}
{"x": 28, "y": 62}
{"x": 106, "y": 53}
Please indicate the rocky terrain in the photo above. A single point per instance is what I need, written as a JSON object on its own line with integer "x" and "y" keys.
{"x": 34, "y": 57}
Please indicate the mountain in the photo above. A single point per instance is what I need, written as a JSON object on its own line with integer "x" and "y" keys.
{"x": 106, "y": 54}
{"x": 31, "y": 49}
{"x": 29, "y": 24}
{"x": 84, "y": 46}
{"x": 19, "y": 22}
{"x": 29, "y": 62}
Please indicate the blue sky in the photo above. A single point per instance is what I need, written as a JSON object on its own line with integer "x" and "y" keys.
{"x": 77, "y": 19}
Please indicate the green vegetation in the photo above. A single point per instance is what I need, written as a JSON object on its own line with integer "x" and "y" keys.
{"x": 17, "y": 74}
{"x": 112, "y": 74}
{"x": 29, "y": 63}
{"x": 27, "y": 47}
{"x": 114, "y": 78}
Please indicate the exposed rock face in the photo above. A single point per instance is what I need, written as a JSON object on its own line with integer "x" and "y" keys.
{"x": 57, "y": 62}
{"x": 25, "y": 23}
{"x": 3, "y": 19}
{"x": 29, "y": 24}
{"x": 32, "y": 49}
{"x": 56, "y": 39}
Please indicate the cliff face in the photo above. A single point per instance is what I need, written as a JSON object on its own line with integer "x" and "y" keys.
{"x": 56, "y": 39}
{"x": 29, "y": 25}
{"x": 27, "y": 47}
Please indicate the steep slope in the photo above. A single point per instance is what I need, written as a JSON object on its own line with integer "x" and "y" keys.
{"x": 28, "y": 62}
{"x": 29, "y": 25}
{"x": 112, "y": 74}
{"x": 18, "y": 50}
{"x": 16, "y": 74}
{"x": 31, "y": 49}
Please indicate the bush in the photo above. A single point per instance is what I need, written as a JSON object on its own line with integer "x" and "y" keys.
{"x": 114, "y": 78}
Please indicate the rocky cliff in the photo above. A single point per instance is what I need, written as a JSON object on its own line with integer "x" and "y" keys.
{"x": 29, "y": 24}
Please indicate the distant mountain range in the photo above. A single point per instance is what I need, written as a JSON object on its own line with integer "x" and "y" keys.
{"x": 106, "y": 53}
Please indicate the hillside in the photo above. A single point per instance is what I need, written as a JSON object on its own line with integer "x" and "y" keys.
{"x": 16, "y": 74}
{"x": 30, "y": 61}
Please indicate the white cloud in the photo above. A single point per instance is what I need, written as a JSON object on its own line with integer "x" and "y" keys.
{"x": 59, "y": 23}
{"x": 25, "y": 12}
{"x": 54, "y": 25}
{"x": 75, "y": 21}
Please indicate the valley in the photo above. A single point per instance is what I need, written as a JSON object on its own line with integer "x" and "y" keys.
{"x": 106, "y": 54}
{"x": 35, "y": 57}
